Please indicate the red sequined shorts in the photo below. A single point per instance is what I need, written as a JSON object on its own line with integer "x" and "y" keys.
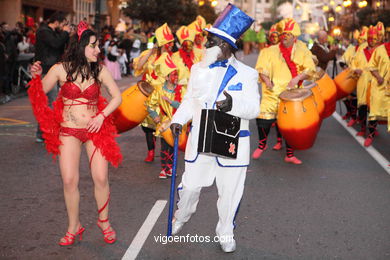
{"x": 80, "y": 133}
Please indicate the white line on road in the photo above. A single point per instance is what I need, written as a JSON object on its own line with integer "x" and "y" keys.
{"x": 143, "y": 233}
{"x": 371, "y": 150}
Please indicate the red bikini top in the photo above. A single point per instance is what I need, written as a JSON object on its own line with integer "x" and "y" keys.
{"x": 71, "y": 91}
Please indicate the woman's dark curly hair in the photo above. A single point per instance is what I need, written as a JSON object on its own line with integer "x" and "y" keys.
{"x": 75, "y": 62}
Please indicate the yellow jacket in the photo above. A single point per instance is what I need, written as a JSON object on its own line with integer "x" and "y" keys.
{"x": 379, "y": 101}
{"x": 350, "y": 53}
{"x": 157, "y": 106}
{"x": 364, "y": 81}
{"x": 147, "y": 70}
{"x": 183, "y": 70}
{"x": 272, "y": 64}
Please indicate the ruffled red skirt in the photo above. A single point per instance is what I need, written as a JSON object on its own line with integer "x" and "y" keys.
{"x": 50, "y": 120}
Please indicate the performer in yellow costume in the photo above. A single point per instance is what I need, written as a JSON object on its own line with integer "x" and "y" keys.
{"x": 200, "y": 38}
{"x": 285, "y": 66}
{"x": 185, "y": 57}
{"x": 379, "y": 67}
{"x": 273, "y": 38}
{"x": 144, "y": 65}
{"x": 381, "y": 38}
{"x": 347, "y": 58}
{"x": 162, "y": 104}
{"x": 361, "y": 69}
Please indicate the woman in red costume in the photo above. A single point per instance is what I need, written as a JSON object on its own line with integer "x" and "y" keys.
{"x": 79, "y": 116}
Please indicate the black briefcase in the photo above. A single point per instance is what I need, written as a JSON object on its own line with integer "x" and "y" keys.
{"x": 218, "y": 134}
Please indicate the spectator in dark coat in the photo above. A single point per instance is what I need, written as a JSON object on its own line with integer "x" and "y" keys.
{"x": 12, "y": 37}
{"x": 321, "y": 50}
{"x": 3, "y": 70}
{"x": 51, "y": 39}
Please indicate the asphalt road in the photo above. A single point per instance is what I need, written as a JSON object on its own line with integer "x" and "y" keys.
{"x": 336, "y": 205}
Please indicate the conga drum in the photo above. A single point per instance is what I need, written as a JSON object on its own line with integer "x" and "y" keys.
{"x": 328, "y": 92}
{"x": 320, "y": 104}
{"x": 132, "y": 111}
{"x": 298, "y": 119}
{"x": 166, "y": 133}
{"x": 345, "y": 83}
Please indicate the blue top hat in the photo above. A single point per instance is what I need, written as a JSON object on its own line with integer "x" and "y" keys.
{"x": 231, "y": 24}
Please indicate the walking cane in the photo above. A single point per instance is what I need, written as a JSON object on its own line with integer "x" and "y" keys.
{"x": 173, "y": 185}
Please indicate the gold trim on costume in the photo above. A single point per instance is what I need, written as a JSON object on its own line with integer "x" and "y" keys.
{"x": 267, "y": 116}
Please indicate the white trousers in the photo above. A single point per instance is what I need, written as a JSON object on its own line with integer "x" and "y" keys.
{"x": 230, "y": 184}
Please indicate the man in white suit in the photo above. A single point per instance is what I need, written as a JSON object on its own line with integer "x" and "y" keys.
{"x": 220, "y": 82}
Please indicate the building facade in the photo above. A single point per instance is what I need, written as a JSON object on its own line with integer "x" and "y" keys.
{"x": 107, "y": 11}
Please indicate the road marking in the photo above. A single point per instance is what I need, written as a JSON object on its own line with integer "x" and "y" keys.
{"x": 371, "y": 150}
{"x": 13, "y": 122}
{"x": 143, "y": 233}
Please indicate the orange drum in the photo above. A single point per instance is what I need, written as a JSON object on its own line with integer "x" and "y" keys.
{"x": 132, "y": 111}
{"x": 298, "y": 119}
{"x": 166, "y": 133}
{"x": 317, "y": 97}
{"x": 328, "y": 92}
{"x": 345, "y": 83}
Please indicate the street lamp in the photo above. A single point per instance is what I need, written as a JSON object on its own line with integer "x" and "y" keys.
{"x": 362, "y": 4}
{"x": 336, "y": 31}
{"x": 325, "y": 8}
{"x": 347, "y": 3}
{"x": 214, "y": 3}
{"x": 338, "y": 9}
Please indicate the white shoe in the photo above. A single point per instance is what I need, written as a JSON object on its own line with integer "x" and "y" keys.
{"x": 177, "y": 226}
{"x": 229, "y": 246}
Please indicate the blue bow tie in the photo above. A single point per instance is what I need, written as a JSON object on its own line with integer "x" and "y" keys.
{"x": 221, "y": 63}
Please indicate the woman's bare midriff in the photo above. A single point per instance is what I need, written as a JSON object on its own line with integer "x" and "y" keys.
{"x": 77, "y": 115}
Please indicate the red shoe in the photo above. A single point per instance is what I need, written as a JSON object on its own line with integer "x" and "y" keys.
{"x": 169, "y": 173}
{"x": 108, "y": 233}
{"x": 352, "y": 122}
{"x": 258, "y": 152}
{"x": 376, "y": 133}
{"x": 293, "y": 160}
{"x": 71, "y": 238}
{"x": 368, "y": 141}
{"x": 150, "y": 156}
{"x": 277, "y": 146}
{"x": 346, "y": 116}
{"x": 361, "y": 133}
{"x": 163, "y": 174}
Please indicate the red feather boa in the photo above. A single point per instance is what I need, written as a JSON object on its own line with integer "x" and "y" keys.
{"x": 50, "y": 123}
{"x": 188, "y": 58}
{"x": 368, "y": 53}
{"x": 177, "y": 95}
{"x": 286, "y": 53}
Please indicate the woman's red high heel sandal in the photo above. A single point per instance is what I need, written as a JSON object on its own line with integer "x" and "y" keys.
{"x": 71, "y": 238}
{"x": 108, "y": 235}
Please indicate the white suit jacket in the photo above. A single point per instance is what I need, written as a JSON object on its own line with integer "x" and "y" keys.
{"x": 205, "y": 87}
